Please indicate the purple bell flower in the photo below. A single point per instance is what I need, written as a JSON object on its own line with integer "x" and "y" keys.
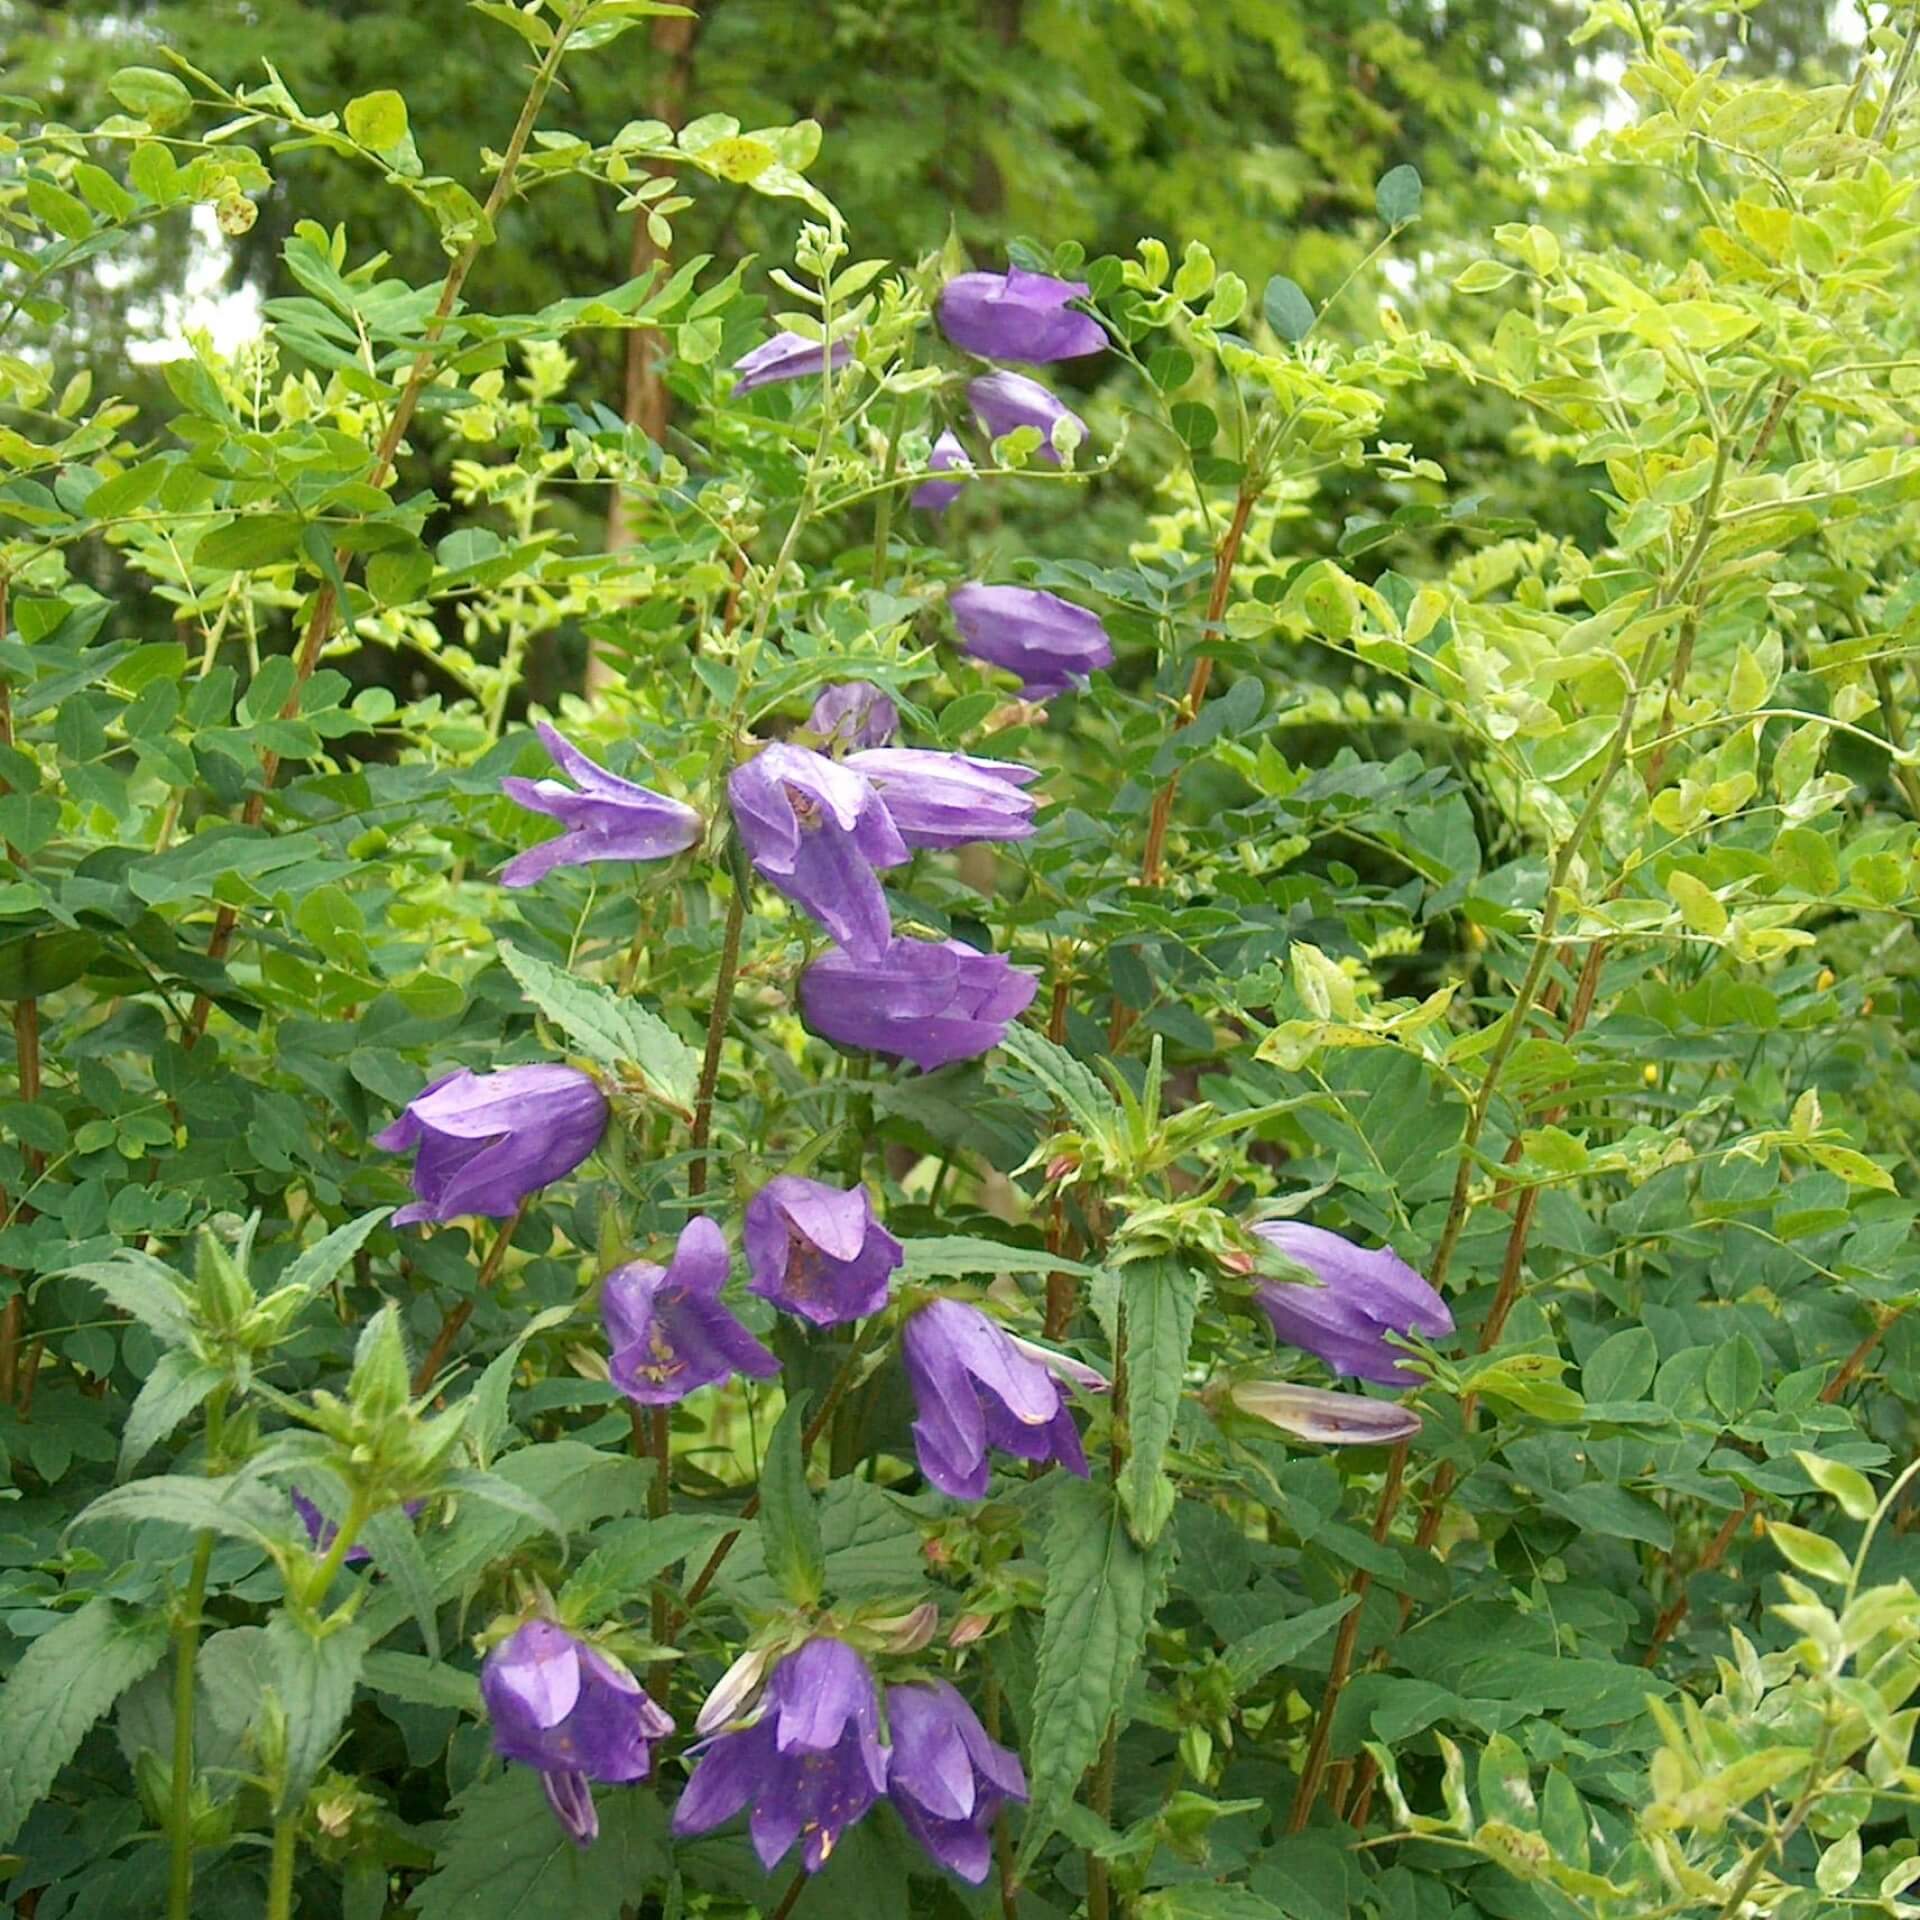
{"x": 818, "y": 1251}
{"x": 853, "y": 714}
{"x": 667, "y": 1332}
{"x": 607, "y": 819}
{"x": 787, "y": 356}
{"x": 1329, "y": 1419}
{"x": 928, "y": 1001}
{"x": 573, "y": 1712}
{"x": 811, "y": 1765}
{"x": 1003, "y": 401}
{"x": 946, "y": 1777}
{"x": 949, "y": 799}
{"x": 1049, "y": 642}
{"x": 977, "y": 1389}
{"x": 1018, "y": 316}
{"x": 1363, "y": 1295}
{"x": 817, "y": 832}
{"x": 322, "y": 1533}
{"x": 948, "y": 456}
{"x": 487, "y": 1140}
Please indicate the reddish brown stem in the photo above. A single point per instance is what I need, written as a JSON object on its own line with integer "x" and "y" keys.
{"x": 717, "y": 1018}
{"x": 429, "y": 1369}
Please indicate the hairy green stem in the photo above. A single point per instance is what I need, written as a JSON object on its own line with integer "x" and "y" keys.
{"x": 186, "y": 1649}
{"x": 286, "y": 1846}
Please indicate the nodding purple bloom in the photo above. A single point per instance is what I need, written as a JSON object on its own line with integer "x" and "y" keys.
{"x": 667, "y": 1332}
{"x": 928, "y": 1001}
{"x": 1018, "y": 316}
{"x": 818, "y": 1251}
{"x": 1330, "y": 1419}
{"x": 787, "y": 356}
{"x": 573, "y": 1712}
{"x": 816, "y": 832}
{"x": 322, "y": 1533}
{"x": 1362, "y": 1295}
{"x": 949, "y": 799}
{"x": 607, "y": 819}
{"x": 487, "y": 1140}
{"x": 811, "y": 1765}
{"x": 1049, "y": 642}
{"x": 948, "y": 456}
{"x": 976, "y": 1389}
{"x": 1003, "y": 401}
{"x": 946, "y": 1778}
{"x": 854, "y": 714}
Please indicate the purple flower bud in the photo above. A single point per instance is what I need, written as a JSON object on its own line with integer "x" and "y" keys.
{"x": 1362, "y": 1295}
{"x": 1018, "y": 316}
{"x": 975, "y": 1390}
{"x": 487, "y": 1140}
{"x": 1049, "y": 642}
{"x": 667, "y": 1332}
{"x": 946, "y": 1778}
{"x": 948, "y": 456}
{"x": 573, "y": 1712}
{"x": 1331, "y": 1419}
{"x": 1003, "y": 401}
{"x": 818, "y": 1251}
{"x": 854, "y": 714}
{"x": 928, "y": 1001}
{"x": 787, "y": 356}
{"x": 607, "y": 819}
{"x": 949, "y": 799}
{"x": 322, "y": 1533}
{"x": 811, "y": 1765}
{"x": 737, "y": 1687}
{"x": 816, "y": 832}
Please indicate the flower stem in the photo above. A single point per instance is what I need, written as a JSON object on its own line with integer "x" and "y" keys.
{"x": 717, "y": 1019}
{"x": 286, "y": 1845}
{"x": 458, "y": 1315}
{"x": 791, "y": 1898}
{"x": 186, "y": 1648}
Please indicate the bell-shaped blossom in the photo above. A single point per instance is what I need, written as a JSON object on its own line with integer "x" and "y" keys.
{"x": 817, "y": 832}
{"x": 810, "y": 1766}
{"x": 928, "y": 1001}
{"x": 1355, "y": 1298}
{"x": 976, "y": 1391}
{"x": 787, "y": 356}
{"x": 818, "y": 1251}
{"x": 947, "y": 1778}
{"x": 606, "y": 819}
{"x": 1329, "y": 1419}
{"x": 949, "y": 799}
{"x": 1003, "y": 401}
{"x": 1049, "y": 642}
{"x": 667, "y": 1333}
{"x": 488, "y": 1140}
{"x": 1017, "y": 315}
{"x": 322, "y": 1533}
{"x": 853, "y": 714}
{"x": 948, "y": 456}
{"x": 573, "y": 1712}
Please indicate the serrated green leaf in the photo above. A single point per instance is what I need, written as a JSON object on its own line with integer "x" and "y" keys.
{"x": 953, "y": 1255}
{"x": 1160, "y": 1295}
{"x": 318, "y": 1264}
{"x": 789, "y": 1520}
{"x": 177, "y": 1385}
{"x": 314, "y": 1677}
{"x": 146, "y": 1289}
{"x": 421, "y": 1682}
{"x": 617, "y": 1033}
{"x": 1251, "y": 1659}
{"x": 239, "y": 1507}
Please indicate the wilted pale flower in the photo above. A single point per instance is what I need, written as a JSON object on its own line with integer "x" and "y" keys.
{"x": 734, "y": 1692}
{"x": 817, "y": 832}
{"x": 947, "y": 1778}
{"x": 1362, "y": 1295}
{"x": 1049, "y": 642}
{"x": 818, "y": 1251}
{"x": 1331, "y": 1419}
{"x": 1003, "y": 401}
{"x": 948, "y": 799}
{"x": 667, "y": 1332}
{"x": 1018, "y": 316}
{"x": 573, "y": 1712}
{"x": 607, "y": 819}
{"x": 853, "y": 714}
{"x": 928, "y": 1001}
{"x": 811, "y": 1765}
{"x": 487, "y": 1140}
{"x": 787, "y": 356}
{"x": 976, "y": 1390}
{"x": 948, "y": 456}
